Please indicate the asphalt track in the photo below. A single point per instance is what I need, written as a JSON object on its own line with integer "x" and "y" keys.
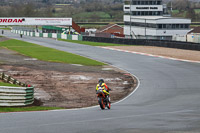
{"x": 167, "y": 100}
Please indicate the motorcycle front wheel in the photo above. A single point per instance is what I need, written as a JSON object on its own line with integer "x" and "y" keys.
{"x": 101, "y": 103}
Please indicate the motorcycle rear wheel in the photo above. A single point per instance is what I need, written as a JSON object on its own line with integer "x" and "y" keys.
{"x": 109, "y": 105}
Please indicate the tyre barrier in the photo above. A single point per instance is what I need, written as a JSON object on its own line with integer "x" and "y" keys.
{"x": 16, "y": 96}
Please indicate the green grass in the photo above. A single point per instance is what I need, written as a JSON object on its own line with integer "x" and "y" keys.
{"x": 175, "y": 11}
{"x": 92, "y": 43}
{"x": 5, "y": 28}
{"x": 7, "y": 84}
{"x": 31, "y": 108}
{"x": 47, "y": 54}
{"x": 197, "y": 10}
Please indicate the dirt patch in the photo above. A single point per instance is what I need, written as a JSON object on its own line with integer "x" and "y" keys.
{"x": 168, "y": 52}
{"x": 3, "y": 39}
{"x": 65, "y": 85}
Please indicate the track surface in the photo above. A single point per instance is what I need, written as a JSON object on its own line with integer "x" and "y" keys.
{"x": 168, "y": 98}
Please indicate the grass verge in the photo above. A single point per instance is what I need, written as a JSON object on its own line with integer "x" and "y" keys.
{"x": 47, "y": 54}
{"x": 5, "y": 28}
{"x": 92, "y": 43}
{"x": 25, "y": 109}
{"x": 7, "y": 84}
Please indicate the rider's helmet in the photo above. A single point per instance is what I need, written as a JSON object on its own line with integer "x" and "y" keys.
{"x": 101, "y": 81}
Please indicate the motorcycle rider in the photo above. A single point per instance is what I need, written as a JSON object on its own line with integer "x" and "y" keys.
{"x": 106, "y": 89}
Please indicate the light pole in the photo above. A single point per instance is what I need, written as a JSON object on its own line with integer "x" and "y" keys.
{"x": 130, "y": 18}
{"x": 145, "y": 29}
{"x": 171, "y": 5}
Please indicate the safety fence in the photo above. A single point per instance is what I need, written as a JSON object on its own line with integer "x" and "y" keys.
{"x": 48, "y": 35}
{"x": 15, "y": 96}
{"x": 9, "y": 79}
{"x": 146, "y": 42}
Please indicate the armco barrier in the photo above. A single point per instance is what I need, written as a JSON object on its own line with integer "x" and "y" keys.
{"x": 49, "y": 35}
{"x": 146, "y": 42}
{"x": 16, "y": 96}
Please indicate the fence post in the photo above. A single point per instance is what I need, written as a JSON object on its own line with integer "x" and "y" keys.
{"x": 3, "y": 75}
{"x": 8, "y": 79}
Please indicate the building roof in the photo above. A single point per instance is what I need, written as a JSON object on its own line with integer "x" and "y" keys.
{"x": 108, "y": 27}
{"x": 195, "y": 30}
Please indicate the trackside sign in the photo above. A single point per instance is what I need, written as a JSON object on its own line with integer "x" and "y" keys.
{"x": 36, "y": 21}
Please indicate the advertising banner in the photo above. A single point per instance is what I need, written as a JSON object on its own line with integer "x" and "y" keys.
{"x": 35, "y": 21}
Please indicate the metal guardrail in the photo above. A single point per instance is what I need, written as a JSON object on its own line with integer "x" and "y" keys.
{"x": 15, "y": 96}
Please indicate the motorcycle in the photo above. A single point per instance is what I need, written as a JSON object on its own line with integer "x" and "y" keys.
{"x": 103, "y": 100}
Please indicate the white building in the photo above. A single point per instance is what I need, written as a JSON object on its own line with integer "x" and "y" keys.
{"x": 144, "y": 19}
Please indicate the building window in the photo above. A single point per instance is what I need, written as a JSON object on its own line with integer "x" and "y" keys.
{"x": 134, "y": 13}
{"x": 173, "y": 26}
{"x": 142, "y": 2}
{"x": 182, "y": 26}
{"x": 164, "y": 26}
{"x": 138, "y": 2}
{"x": 153, "y": 2}
{"x": 159, "y": 26}
{"x": 187, "y": 26}
{"x": 138, "y": 13}
{"x": 145, "y": 2}
{"x": 169, "y": 26}
{"x": 177, "y": 26}
{"x": 127, "y": 13}
{"x": 126, "y": 23}
{"x": 159, "y": 3}
{"x": 143, "y": 13}
{"x": 134, "y": 2}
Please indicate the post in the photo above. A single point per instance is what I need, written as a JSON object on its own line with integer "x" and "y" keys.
{"x": 130, "y": 19}
{"x": 145, "y": 29}
{"x": 171, "y": 6}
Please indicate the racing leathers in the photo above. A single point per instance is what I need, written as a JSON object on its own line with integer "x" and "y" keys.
{"x": 105, "y": 89}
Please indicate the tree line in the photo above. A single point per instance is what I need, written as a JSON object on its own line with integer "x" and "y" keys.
{"x": 45, "y": 8}
{"x": 70, "y": 8}
{"x": 186, "y": 8}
